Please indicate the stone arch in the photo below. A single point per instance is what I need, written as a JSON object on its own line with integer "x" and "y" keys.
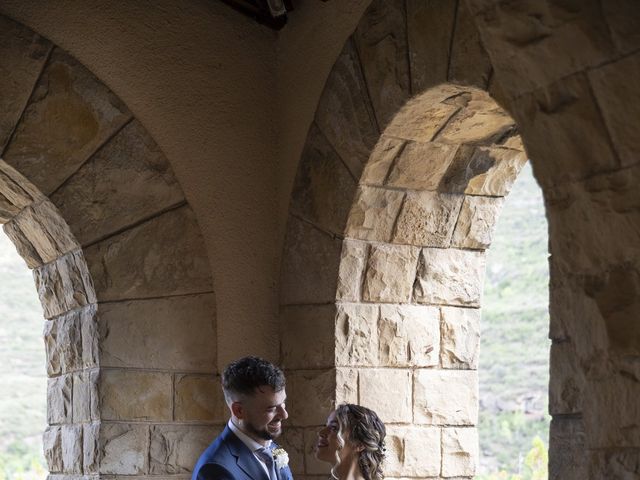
{"x": 92, "y": 205}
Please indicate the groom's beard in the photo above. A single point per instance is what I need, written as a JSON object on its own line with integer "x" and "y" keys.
{"x": 262, "y": 433}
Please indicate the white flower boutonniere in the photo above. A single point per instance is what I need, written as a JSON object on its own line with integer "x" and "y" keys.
{"x": 280, "y": 457}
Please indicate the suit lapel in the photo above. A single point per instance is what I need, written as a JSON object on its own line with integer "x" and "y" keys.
{"x": 244, "y": 457}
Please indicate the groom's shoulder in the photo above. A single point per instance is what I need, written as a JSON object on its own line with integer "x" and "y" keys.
{"x": 217, "y": 457}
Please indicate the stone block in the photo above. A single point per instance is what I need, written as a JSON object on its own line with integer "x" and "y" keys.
{"x": 620, "y": 104}
{"x": 63, "y": 344}
{"x": 52, "y": 448}
{"x": 388, "y": 392}
{"x": 430, "y": 29}
{"x": 324, "y": 188}
{"x": 566, "y": 383}
{"x": 126, "y": 181}
{"x": 344, "y": 113}
{"x": 564, "y": 132}
{"x": 445, "y": 397}
{"x": 16, "y": 192}
{"x": 352, "y": 263}
{"x": 174, "y": 449}
{"x": 346, "y": 385}
{"x": 308, "y": 337}
{"x": 313, "y": 466}
{"x": 622, "y": 19}
{"x": 412, "y": 451}
{"x": 67, "y": 96}
{"x": 22, "y": 244}
{"x": 460, "y": 333}
{"x": 469, "y": 63}
{"x": 614, "y": 464}
{"x": 529, "y": 35}
{"x": 391, "y": 270}
{"x": 380, "y": 161}
{"x": 374, "y": 214}
{"x": 381, "y": 41}
{"x": 568, "y": 458}
{"x": 292, "y": 440}
{"x": 449, "y": 277}
{"x": 356, "y": 335}
{"x": 85, "y": 396}
{"x": 422, "y": 166}
{"x": 71, "y": 436}
{"x": 311, "y": 395}
{"x": 409, "y": 336}
{"x": 199, "y": 398}
{"x": 64, "y": 284}
{"x": 480, "y": 121}
{"x": 310, "y": 265}
{"x": 91, "y": 448}
{"x": 135, "y": 395}
{"x": 502, "y": 168}
{"x": 23, "y": 54}
{"x": 427, "y": 219}
{"x": 89, "y": 331}
{"x": 459, "y": 452}
{"x": 170, "y": 333}
{"x": 476, "y": 222}
{"x": 59, "y": 398}
{"x": 420, "y": 120}
{"x": 163, "y": 256}
{"x": 124, "y": 448}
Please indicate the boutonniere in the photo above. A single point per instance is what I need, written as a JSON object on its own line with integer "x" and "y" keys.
{"x": 280, "y": 457}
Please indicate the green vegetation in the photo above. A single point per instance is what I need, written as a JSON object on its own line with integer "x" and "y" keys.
{"x": 23, "y": 377}
{"x": 514, "y": 353}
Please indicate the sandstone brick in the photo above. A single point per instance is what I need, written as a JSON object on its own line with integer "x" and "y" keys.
{"x": 352, "y": 263}
{"x": 310, "y": 266}
{"x": 23, "y": 54}
{"x": 621, "y": 463}
{"x": 412, "y": 451}
{"x": 324, "y": 188}
{"x": 89, "y": 331}
{"x": 427, "y": 219}
{"x": 381, "y": 159}
{"x": 390, "y": 273}
{"x": 127, "y": 180}
{"x": 388, "y": 392}
{"x": 90, "y": 448}
{"x": 430, "y": 28}
{"x": 52, "y": 448}
{"x": 123, "y": 448}
{"x": 502, "y": 168}
{"x": 163, "y": 256}
{"x": 476, "y": 222}
{"x": 199, "y": 398}
{"x": 71, "y": 436}
{"x": 459, "y": 452}
{"x": 566, "y": 384}
{"x": 311, "y": 396}
{"x": 344, "y": 114}
{"x": 445, "y": 397}
{"x": 174, "y": 449}
{"x": 22, "y": 244}
{"x": 63, "y": 344}
{"x": 409, "y": 335}
{"x": 135, "y": 395}
{"x": 356, "y": 335}
{"x": 422, "y": 166}
{"x": 374, "y": 214}
{"x": 173, "y": 332}
{"x": 621, "y": 18}
{"x": 381, "y": 40}
{"x": 308, "y": 336}
{"x": 460, "y": 338}
{"x": 68, "y": 96}
{"x": 292, "y": 440}
{"x": 64, "y": 284}
{"x": 59, "y": 397}
{"x": 346, "y": 385}
{"x": 16, "y": 192}
{"x": 312, "y": 465}
{"x": 569, "y": 457}
{"x": 85, "y": 396}
{"x": 449, "y": 277}
{"x": 420, "y": 120}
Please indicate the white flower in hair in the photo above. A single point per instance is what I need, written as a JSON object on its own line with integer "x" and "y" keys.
{"x": 280, "y": 457}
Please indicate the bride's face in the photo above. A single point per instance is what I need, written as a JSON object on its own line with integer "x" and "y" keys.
{"x": 327, "y": 444}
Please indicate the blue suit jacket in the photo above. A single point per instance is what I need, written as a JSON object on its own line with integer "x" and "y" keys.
{"x": 227, "y": 458}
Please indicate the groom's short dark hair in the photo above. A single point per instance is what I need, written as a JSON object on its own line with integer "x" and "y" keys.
{"x": 243, "y": 376}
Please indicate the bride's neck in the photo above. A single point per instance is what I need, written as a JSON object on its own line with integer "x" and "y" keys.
{"x": 349, "y": 471}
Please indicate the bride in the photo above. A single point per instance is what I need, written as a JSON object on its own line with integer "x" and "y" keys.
{"x": 353, "y": 441}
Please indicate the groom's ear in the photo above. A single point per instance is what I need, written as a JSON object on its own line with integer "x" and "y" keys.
{"x": 237, "y": 410}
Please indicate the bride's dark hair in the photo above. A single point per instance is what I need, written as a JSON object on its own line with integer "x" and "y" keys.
{"x": 363, "y": 428}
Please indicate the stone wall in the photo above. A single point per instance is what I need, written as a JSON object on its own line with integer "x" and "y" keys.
{"x": 119, "y": 263}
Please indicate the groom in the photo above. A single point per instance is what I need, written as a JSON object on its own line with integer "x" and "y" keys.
{"x": 254, "y": 390}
